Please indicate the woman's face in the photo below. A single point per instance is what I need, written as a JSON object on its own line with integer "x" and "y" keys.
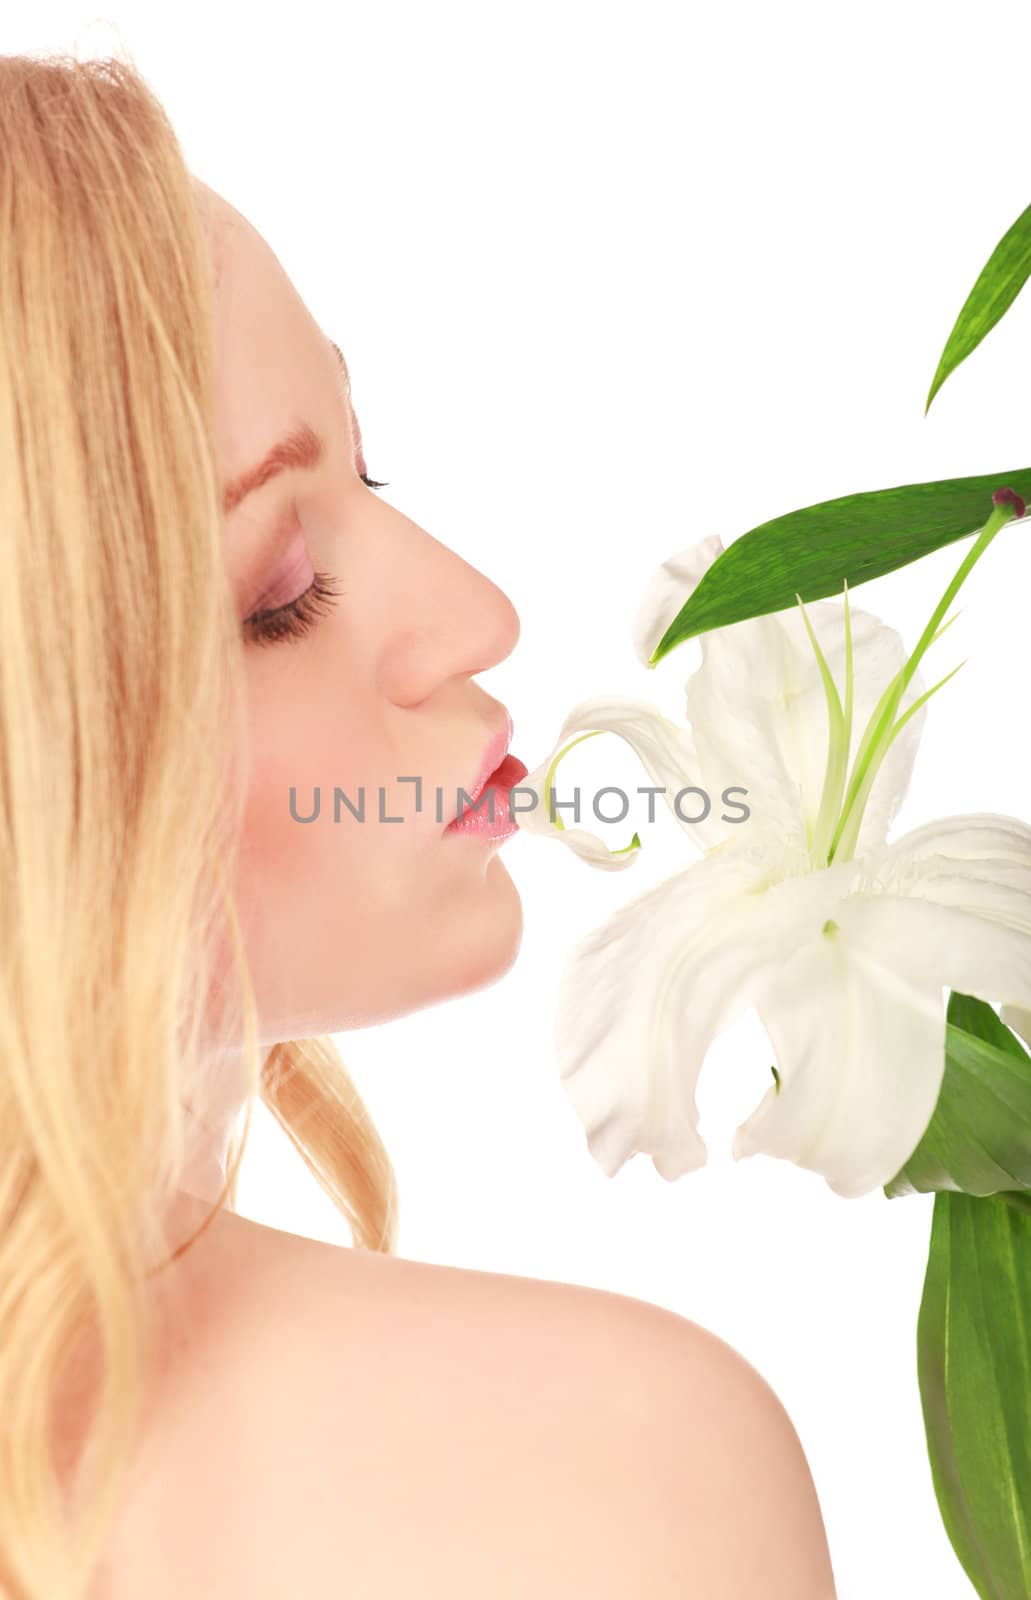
{"x": 347, "y": 922}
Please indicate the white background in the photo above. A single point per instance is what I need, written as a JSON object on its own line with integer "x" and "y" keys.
{"x": 610, "y": 279}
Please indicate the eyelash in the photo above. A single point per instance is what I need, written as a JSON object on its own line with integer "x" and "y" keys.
{"x": 295, "y": 618}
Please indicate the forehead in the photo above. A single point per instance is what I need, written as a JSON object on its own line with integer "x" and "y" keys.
{"x": 271, "y": 356}
{"x": 251, "y": 287}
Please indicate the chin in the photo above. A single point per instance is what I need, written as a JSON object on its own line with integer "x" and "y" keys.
{"x": 467, "y": 946}
{"x": 503, "y": 933}
{"x": 485, "y": 946}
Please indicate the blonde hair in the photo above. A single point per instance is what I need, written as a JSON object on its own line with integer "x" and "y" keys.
{"x": 121, "y": 690}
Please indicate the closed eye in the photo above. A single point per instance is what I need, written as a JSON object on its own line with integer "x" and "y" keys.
{"x": 297, "y": 616}
{"x": 294, "y": 619}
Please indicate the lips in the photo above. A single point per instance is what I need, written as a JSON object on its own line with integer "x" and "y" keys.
{"x": 496, "y": 822}
{"x": 508, "y": 772}
{"x": 495, "y": 757}
{"x": 491, "y": 759}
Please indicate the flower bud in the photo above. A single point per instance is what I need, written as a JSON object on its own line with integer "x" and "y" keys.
{"x": 1009, "y": 497}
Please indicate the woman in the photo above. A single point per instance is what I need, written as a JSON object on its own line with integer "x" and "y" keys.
{"x": 201, "y": 625}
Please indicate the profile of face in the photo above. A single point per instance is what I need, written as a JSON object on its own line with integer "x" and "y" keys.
{"x": 348, "y": 922}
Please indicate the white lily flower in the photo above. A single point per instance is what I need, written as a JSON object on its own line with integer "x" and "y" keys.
{"x": 1019, "y": 1021}
{"x": 843, "y": 942}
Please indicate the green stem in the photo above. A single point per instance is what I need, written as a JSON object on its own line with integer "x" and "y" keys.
{"x": 872, "y": 746}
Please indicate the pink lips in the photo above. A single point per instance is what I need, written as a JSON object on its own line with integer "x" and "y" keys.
{"x": 499, "y": 770}
{"x": 492, "y": 758}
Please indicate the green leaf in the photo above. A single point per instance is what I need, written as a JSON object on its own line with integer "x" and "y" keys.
{"x": 974, "y": 1369}
{"x": 983, "y": 1021}
{"x": 815, "y": 550}
{"x": 1001, "y": 279}
{"x": 978, "y": 1141}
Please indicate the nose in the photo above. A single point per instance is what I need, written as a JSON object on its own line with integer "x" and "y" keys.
{"x": 450, "y": 620}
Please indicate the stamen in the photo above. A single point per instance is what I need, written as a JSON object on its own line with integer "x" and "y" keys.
{"x": 880, "y": 730}
{"x": 850, "y": 833}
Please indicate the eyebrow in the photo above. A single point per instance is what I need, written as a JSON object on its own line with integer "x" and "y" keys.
{"x": 302, "y": 448}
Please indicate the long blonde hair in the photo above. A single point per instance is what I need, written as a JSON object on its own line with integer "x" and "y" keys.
{"x": 120, "y": 685}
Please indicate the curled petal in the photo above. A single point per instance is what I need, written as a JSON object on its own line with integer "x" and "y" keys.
{"x": 668, "y": 590}
{"x": 664, "y": 749}
{"x": 643, "y": 996}
{"x": 589, "y": 847}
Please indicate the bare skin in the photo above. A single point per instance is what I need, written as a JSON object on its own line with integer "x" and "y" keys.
{"x": 329, "y": 1421}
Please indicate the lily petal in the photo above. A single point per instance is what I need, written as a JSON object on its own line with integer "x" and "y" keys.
{"x": 668, "y": 590}
{"x": 1018, "y": 1020}
{"x": 860, "y": 1050}
{"x": 643, "y": 996}
{"x": 588, "y": 846}
{"x": 961, "y": 886}
{"x": 664, "y": 748}
{"x": 957, "y": 896}
{"x": 757, "y": 706}
{"x": 859, "y": 1022}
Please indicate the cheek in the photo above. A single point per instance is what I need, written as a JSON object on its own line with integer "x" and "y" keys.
{"x": 321, "y": 901}
{"x": 347, "y": 922}
{"x": 294, "y": 858}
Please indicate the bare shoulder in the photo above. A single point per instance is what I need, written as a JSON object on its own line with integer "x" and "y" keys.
{"x": 372, "y": 1425}
{"x": 734, "y": 1506}
{"x": 631, "y": 1448}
